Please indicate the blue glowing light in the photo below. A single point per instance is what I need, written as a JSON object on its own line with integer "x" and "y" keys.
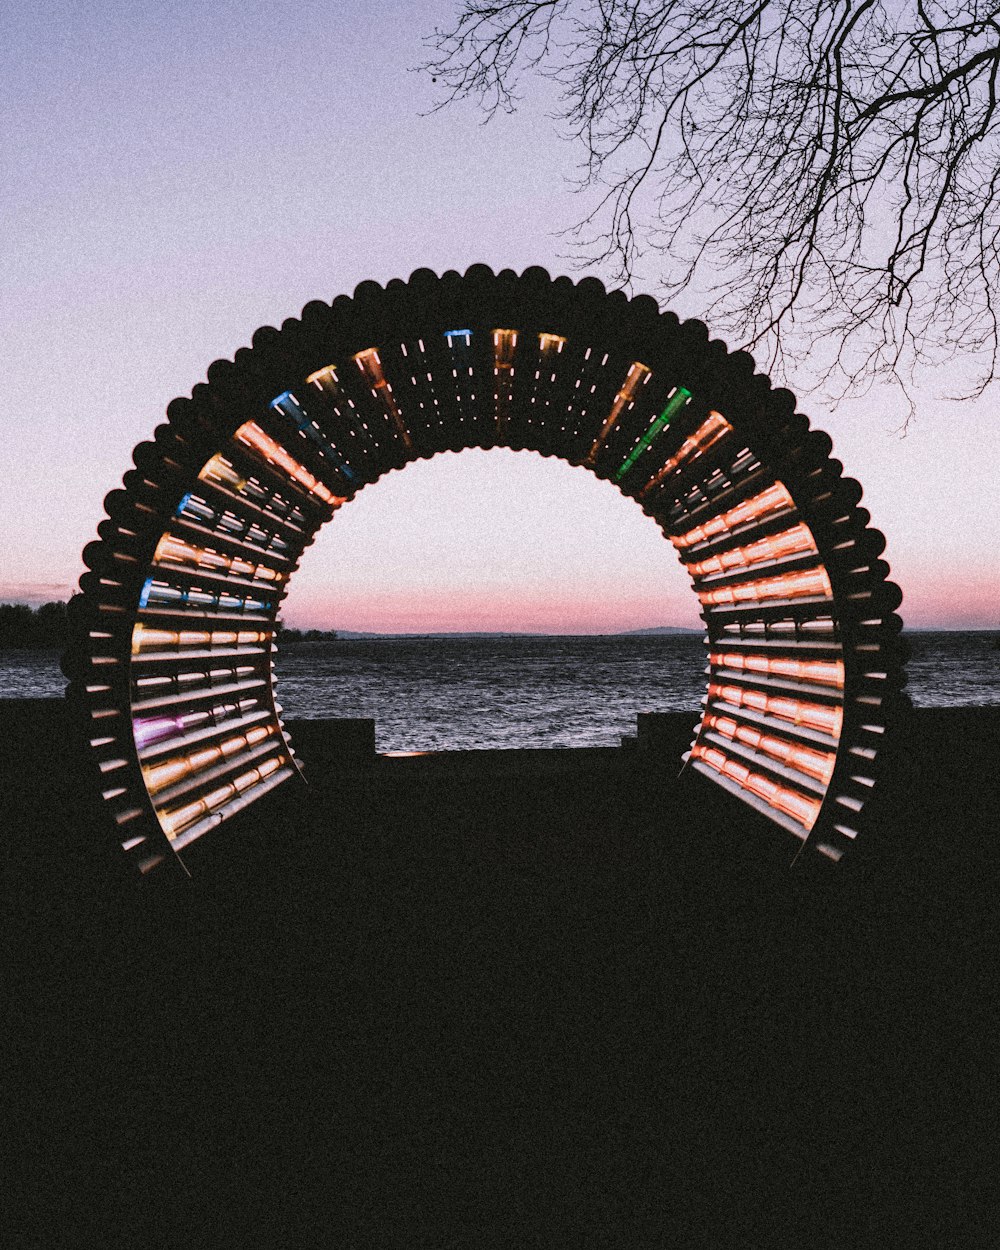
{"x": 289, "y": 406}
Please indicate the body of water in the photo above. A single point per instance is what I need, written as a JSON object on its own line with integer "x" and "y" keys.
{"x": 438, "y": 694}
{"x": 463, "y": 693}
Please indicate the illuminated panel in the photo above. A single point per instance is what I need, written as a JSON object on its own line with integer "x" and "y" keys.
{"x": 155, "y": 732}
{"x": 761, "y": 763}
{"x": 251, "y": 435}
{"x": 803, "y": 809}
{"x": 504, "y": 347}
{"x": 277, "y": 513}
{"x": 150, "y": 730}
{"x": 220, "y": 471}
{"x": 160, "y": 593}
{"x": 203, "y": 716}
{"x": 462, "y": 387}
{"x": 353, "y": 438}
{"x": 178, "y": 768}
{"x": 289, "y": 407}
{"x": 712, "y": 429}
{"x": 196, "y": 816}
{"x": 678, "y": 398}
{"x": 819, "y": 672}
{"x": 543, "y": 385}
{"x": 178, "y": 552}
{"x": 819, "y": 717}
{"x": 196, "y": 514}
{"x": 370, "y": 365}
{"x": 817, "y": 764}
{"x": 197, "y": 730}
{"x": 638, "y": 375}
{"x": 148, "y": 639}
{"x": 325, "y": 381}
{"x": 811, "y": 583}
{"x": 769, "y": 503}
{"x": 795, "y": 541}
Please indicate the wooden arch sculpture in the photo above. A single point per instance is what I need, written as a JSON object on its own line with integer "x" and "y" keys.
{"x": 170, "y": 660}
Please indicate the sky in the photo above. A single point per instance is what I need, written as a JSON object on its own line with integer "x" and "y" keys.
{"x": 176, "y": 175}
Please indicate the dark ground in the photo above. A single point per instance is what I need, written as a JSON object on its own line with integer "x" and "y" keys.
{"x": 536, "y": 999}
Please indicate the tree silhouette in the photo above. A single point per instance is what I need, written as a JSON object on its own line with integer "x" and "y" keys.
{"x": 20, "y": 627}
{"x": 824, "y": 172}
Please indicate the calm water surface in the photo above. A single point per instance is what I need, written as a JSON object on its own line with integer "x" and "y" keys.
{"x": 438, "y": 694}
{"x": 461, "y": 693}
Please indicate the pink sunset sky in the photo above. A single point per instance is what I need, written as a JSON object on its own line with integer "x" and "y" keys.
{"x": 178, "y": 176}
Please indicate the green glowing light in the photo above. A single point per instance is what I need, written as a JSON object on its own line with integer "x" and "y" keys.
{"x": 674, "y": 405}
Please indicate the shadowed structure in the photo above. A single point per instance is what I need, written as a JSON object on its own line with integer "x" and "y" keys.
{"x": 170, "y": 662}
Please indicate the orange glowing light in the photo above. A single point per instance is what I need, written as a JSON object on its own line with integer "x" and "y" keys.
{"x": 220, "y": 471}
{"x": 818, "y": 716}
{"x": 370, "y": 364}
{"x": 174, "y": 550}
{"x": 809, "y": 583}
{"x": 820, "y": 672}
{"x": 251, "y": 435}
{"x": 168, "y": 772}
{"x": 177, "y": 819}
{"x": 712, "y": 429}
{"x": 771, "y": 501}
{"x": 638, "y": 374}
{"x": 801, "y": 807}
{"x": 789, "y": 542}
{"x": 818, "y": 764}
{"x": 504, "y": 346}
{"x": 325, "y": 380}
{"x": 145, "y": 638}
{"x": 549, "y": 343}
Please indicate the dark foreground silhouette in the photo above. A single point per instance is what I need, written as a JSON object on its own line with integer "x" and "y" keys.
{"x": 506, "y": 999}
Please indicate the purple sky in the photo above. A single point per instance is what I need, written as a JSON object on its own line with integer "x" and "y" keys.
{"x": 175, "y": 176}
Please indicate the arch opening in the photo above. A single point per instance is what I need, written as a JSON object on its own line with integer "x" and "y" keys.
{"x": 478, "y": 596}
{"x": 171, "y": 663}
{"x": 490, "y": 541}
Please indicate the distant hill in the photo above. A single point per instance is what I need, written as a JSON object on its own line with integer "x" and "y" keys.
{"x": 656, "y": 630}
{"x": 351, "y": 634}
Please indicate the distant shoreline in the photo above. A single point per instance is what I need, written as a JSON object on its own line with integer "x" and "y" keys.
{"x": 347, "y": 635}
{"x": 667, "y": 631}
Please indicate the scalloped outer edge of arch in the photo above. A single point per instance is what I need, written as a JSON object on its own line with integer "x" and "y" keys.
{"x": 170, "y": 659}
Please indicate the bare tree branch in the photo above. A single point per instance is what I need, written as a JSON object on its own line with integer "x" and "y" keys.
{"x": 826, "y": 172}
